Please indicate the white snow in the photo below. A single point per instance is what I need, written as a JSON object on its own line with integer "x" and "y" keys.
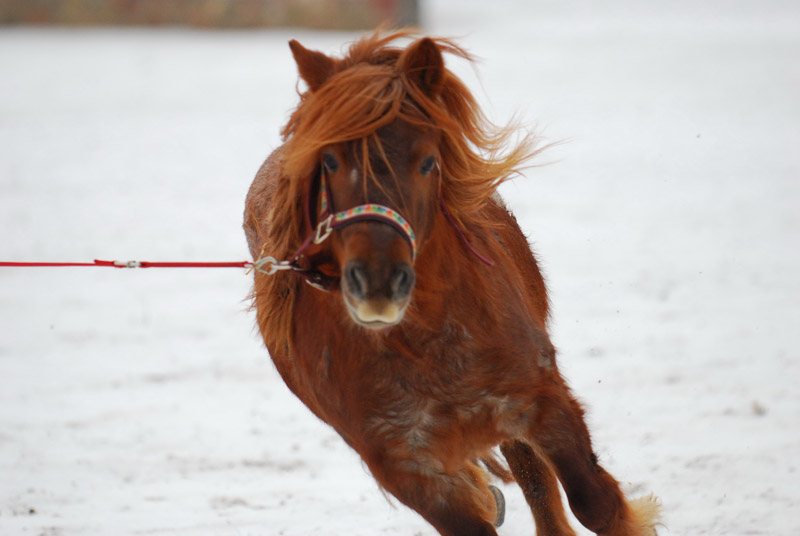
{"x": 143, "y": 402}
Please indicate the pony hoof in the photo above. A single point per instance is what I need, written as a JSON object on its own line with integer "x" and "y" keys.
{"x": 500, "y": 501}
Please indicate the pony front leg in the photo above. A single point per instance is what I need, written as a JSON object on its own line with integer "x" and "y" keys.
{"x": 456, "y": 504}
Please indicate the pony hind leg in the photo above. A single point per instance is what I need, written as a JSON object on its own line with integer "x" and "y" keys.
{"x": 539, "y": 486}
{"x": 594, "y": 496}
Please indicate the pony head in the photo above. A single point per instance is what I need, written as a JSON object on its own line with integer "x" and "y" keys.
{"x": 391, "y": 128}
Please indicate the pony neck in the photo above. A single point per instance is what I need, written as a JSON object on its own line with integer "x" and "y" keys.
{"x": 446, "y": 264}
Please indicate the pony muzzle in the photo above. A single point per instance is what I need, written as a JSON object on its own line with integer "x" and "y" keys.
{"x": 377, "y": 298}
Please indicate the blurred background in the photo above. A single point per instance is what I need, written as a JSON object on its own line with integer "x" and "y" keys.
{"x": 666, "y": 221}
{"x": 318, "y": 14}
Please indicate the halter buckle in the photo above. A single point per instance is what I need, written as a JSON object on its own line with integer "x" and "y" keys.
{"x": 324, "y": 230}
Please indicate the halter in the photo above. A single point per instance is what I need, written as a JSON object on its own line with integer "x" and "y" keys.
{"x": 328, "y": 221}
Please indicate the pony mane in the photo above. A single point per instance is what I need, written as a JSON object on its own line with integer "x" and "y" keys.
{"x": 368, "y": 90}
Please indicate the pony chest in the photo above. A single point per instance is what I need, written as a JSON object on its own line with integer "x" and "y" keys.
{"x": 417, "y": 391}
{"x": 454, "y": 406}
{"x": 411, "y": 422}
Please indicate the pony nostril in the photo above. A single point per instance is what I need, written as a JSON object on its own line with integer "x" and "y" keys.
{"x": 355, "y": 277}
{"x": 402, "y": 281}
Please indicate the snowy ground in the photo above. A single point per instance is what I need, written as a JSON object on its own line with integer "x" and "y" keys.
{"x": 142, "y": 402}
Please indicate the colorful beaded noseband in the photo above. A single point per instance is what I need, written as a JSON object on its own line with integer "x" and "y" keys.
{"x": 329, "y": 221}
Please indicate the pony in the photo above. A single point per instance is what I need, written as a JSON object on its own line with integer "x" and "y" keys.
{"x": 401, "y": 302}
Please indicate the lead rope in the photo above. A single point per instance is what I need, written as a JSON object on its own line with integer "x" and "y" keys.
{"x": 269, "y": 265}
{"x": 130, "y": 264}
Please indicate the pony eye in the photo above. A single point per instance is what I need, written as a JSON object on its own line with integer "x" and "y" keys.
{"x": 427, "y": 165}
{"x": 330, "y": 162}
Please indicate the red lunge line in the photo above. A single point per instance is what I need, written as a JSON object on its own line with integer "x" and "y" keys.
{"x": 130, "y": 264}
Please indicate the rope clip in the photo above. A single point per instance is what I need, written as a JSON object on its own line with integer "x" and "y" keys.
{"x": 270, "y": 265}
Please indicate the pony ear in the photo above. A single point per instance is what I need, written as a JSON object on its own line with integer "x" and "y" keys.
{"x": 314, "y": 67}
{"x": 423, "y": 64}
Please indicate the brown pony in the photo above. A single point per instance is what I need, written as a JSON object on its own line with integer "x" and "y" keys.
{"x": 422, "y": 336}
